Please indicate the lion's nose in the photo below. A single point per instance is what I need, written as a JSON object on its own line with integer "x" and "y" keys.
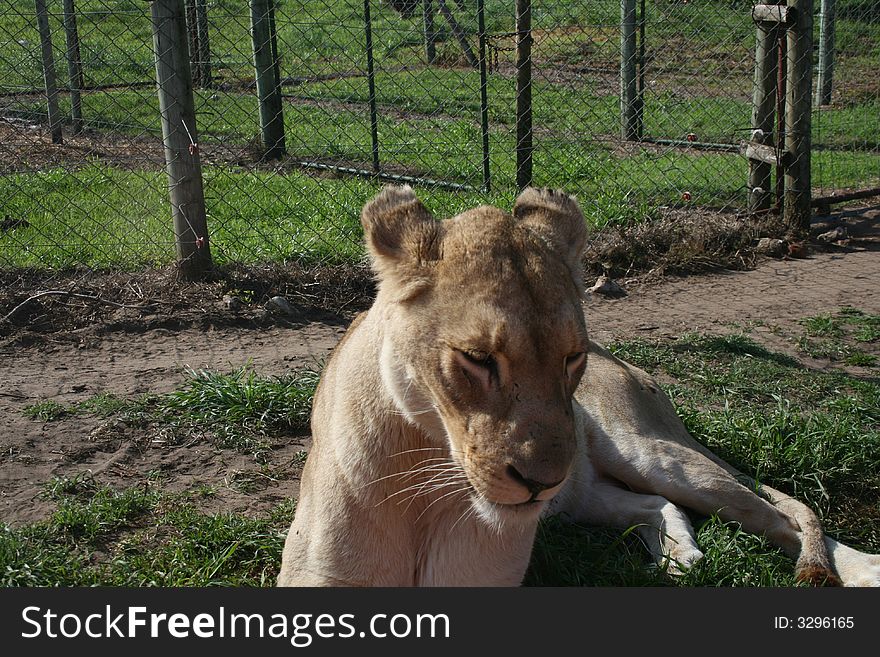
{"x": 534, "y": 486}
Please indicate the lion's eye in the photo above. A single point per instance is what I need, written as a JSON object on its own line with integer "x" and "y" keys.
{"x": 481, "y": 359}
{"x": 574, "y": 362}
{"x": 480, "y": 365}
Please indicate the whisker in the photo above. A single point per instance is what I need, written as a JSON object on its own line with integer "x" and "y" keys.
{"x": 407, "y": 489}
{"x": 417, "y": 449}
{"x": 438, "y": 474}
{"x": 408, "y": 413}
{"x": 419, "y": 493}
{"x": 438, "y": 470}
{"x": 410, "y": 473}
{"x": 442, "y": 479}
{"x": 444, "y": 496}
{"x": 469, "y": 512}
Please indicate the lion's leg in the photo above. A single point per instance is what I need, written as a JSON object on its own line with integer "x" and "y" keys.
{"x": 687, "y": 477}
{"x": 854, "y": 568}
{"x": 662, "y": 526}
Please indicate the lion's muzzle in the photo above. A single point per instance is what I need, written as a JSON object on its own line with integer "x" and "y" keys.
{"x": 538, "y": 490}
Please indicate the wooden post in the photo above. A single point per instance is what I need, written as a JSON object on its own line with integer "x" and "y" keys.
{"x": 798, "y": 107}
{"x": 629, "y": 107}
{"x": 430, "y": 34}
{"x": 458, "y": 33}
{"x": 74, "y": 66}
{"x": 268, "y": 84}
{"x": 182, "y": 162}
{"x": 824, "y": 82}
{"x": 763, "y": 113}
{"x": 49, "y": 72}
{"x": 524, "y": 146}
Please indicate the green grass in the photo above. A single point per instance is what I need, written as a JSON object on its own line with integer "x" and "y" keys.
{"x": 141, "y": 537}
{"x": 239, "y": 409}
{"x": 842, "y": 336}
{"x": 813, "y": 434}
{"x": 102, "y": 405}
{"x": 102, "y": 216}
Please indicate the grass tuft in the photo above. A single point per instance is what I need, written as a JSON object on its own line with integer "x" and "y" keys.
{"x": 241, "y": 408}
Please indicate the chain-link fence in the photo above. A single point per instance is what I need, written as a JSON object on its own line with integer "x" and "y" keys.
{"x": 302, "y": 109}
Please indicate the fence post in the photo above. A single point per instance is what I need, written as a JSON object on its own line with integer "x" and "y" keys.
{"x": 763, "y": 111}
{"x": 484, "y": 93}
{"x": 458, "y": 33}
{"x": 182, "y": 162}
{"x": 74, "y": 66}
{"x": 204, "y": 46}
{"x": 524, "y": 146}
{"x": 798, "y": 107}
{"x": 640, "y": 90}
{"x": 49, "y": 72}
{"x": 430, "y": 34}
{"x": 371, "y": 87}
{"x": 192, "y": 35}
{"x": 268, "y": 84}
{"x": 199, "y": 49}
{"x": 824, "y": 83}
{"x": 629, "y": 108}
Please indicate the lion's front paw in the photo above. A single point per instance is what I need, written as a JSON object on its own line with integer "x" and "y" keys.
{"x": 680, "y": 560}
{"x": 673, "y": 544}
{"x": 853, "y": 567}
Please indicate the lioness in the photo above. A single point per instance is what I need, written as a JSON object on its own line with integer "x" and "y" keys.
{"x": 468, "y": 401}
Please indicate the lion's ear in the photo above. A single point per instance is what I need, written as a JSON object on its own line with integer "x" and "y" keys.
{"x": 403, "y": 239}
{"x": 557, "y": 217}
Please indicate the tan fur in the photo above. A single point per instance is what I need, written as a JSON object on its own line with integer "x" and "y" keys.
{"x": 446, "y": 422}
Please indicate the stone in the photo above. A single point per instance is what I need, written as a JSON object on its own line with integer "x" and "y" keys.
{"x": 281, "y": 305}
{"x": 834, "y": 235}
{"x": 770, "y": 246}
{"x": 607, "y": 287}
{"x": 232, "y": 303}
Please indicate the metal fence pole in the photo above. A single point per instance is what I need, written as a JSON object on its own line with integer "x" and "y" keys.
{"x": 781, "y": 92}
{"x": 824, "y": 82}
{"x": 182, "y": 162}
{"x": 74, "y": 66}
{"x": 371, "y": 87}
{"x": 640, "y": 91}
{"x": 798, "y": 106}
{"x": 524, "y": 147}
{"x": 430, "y": 34}
{"x": 49, "y": 72}
{"x": 629, "y": 108}
{"x": 484, "y": 93}
{"x": 268, "y": 84}
{"x": 204, "y": 46}
{"x": 193, "y": 39}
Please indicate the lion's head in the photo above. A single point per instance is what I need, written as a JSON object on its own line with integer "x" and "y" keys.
{"x": 484, "y": 339}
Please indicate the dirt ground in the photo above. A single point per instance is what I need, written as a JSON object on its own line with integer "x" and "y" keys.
{"x": 151, "y": 354}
